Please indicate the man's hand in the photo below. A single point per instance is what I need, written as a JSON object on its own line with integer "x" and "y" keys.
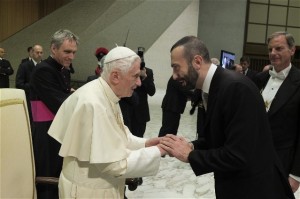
{"x": 143, "y": 74}
{"x": 176, "y": 146}
{"x": 294, "y": 184}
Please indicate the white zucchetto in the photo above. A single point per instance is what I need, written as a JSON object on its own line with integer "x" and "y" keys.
{"x": 118, "y": 52}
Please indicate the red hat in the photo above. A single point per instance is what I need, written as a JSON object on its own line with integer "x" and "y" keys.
{"x": 102, "y": 51}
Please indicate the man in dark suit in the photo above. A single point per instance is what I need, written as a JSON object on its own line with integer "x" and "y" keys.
{"x": 173, "y": 105}
{"x": 23, "y": 75}
{"x": 29, "y": 58}
{"x": 238, "y": 144}
{"x": 280, "y": 88}
{"x": 5, "y": 70}
{"x": 245, "y": 63}
{"x": 141, "y": 114}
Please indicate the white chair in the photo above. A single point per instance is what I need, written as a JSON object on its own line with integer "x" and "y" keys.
{"x": 17, "y": 160}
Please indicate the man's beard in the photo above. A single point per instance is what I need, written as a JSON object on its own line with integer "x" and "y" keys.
{"x": 192, "y": 76}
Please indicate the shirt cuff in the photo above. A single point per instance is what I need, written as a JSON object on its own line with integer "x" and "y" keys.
{"x": 295, "y": 177}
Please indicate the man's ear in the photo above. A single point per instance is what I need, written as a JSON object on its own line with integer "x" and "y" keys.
{"x": 198, "y": 60}
{"x": 53, "y": 48}
{"x": 293, "y": 50}
{"x": 114, "y": 77}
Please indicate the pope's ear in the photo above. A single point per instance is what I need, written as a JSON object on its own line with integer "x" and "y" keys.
{"x": 114, "y": 77}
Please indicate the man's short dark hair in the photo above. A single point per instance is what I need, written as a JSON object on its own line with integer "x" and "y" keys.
{"x": 245, "y": 59}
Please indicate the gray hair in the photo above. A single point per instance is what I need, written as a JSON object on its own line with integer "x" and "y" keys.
{"x": 289, "y": 38}
{"x": 61, "y": 35}
{"x": 123, "y": 65}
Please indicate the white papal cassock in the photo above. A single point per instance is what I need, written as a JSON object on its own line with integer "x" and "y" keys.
{"x": 98, "y": 149}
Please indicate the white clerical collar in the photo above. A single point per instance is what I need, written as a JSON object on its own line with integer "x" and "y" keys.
{"x": 0, "y": 58}
{"x": 108, "y": 91}
{"x": 34, "y": 62}
{"x": 210, "y": 73}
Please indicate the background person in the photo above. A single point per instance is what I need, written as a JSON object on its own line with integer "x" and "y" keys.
{"x": 29, "y": 50}
{"x": 24, "y": 72}
{"x": 280, "y": 88}
{"x": 5, "y": 70}
{"x": 48, "y": 90}
{"x": 141, "y": 113}
{"x": 173, "y": 105}
{"x": 245, "y": 63}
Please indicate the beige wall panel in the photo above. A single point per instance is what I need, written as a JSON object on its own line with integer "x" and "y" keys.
{"x": 294, "y": 17}
{"x": 256, "y": 33}
{"x": 296, "y": 33}
{"x": 277, "y": 15}
{"x": 272, "y": 29}
{"x": 260, "y": 1}
{"x": 258, "y": 13}
{"x": 279, "y": 2}
{"x": 295, "y": 3}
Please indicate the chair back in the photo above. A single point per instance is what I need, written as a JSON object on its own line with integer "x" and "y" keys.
{"x": 17, "y": 160}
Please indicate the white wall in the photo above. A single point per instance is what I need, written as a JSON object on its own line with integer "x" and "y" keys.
{"x": 222, "y": 26}
{"x": 158, "y": 56}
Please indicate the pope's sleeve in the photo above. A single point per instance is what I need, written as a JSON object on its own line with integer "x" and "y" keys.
{"x": 143, "y": 162}
{"x": 134, "y": 142}
{"x": 139, "y": 163}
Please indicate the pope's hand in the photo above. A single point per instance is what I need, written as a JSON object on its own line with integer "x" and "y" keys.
{"x": 153, "y": 141}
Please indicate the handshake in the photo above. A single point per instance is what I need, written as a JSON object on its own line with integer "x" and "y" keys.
{"x": 172, "y": 145}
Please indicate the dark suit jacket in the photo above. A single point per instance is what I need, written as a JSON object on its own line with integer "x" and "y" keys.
{"x": 238, "y": 144}
{"x": 127, "y": 105}
{"x": 284, "y": 118}
{"x": 173, "y": 105}
{"x": 141, "y": 111}
{"x": 176, "y": 96}
{"x": 251, "y": 73}
{"x": 5, "y": 71}
{"x": 25, "y": 60}
{"x": 23, "y": 77}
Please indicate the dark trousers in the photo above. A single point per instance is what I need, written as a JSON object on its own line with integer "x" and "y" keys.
{"x": 138, "y": 129}
{"x": 47, "y": 161}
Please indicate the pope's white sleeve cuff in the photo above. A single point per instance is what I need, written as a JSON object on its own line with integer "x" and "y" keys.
{"x": 143, "y": 162}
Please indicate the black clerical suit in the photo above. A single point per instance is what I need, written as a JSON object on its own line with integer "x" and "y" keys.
{"x": 5, "y": 71}
{"x": 141, "y": 114}
{"x": 47, "y": 85}
{"x": 284, "y": 118}
{"x": 238, "y": 144}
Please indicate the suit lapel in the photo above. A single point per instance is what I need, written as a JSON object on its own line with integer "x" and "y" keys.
{"x": 286, "y": 90}
{"x": 31, "y": 66}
